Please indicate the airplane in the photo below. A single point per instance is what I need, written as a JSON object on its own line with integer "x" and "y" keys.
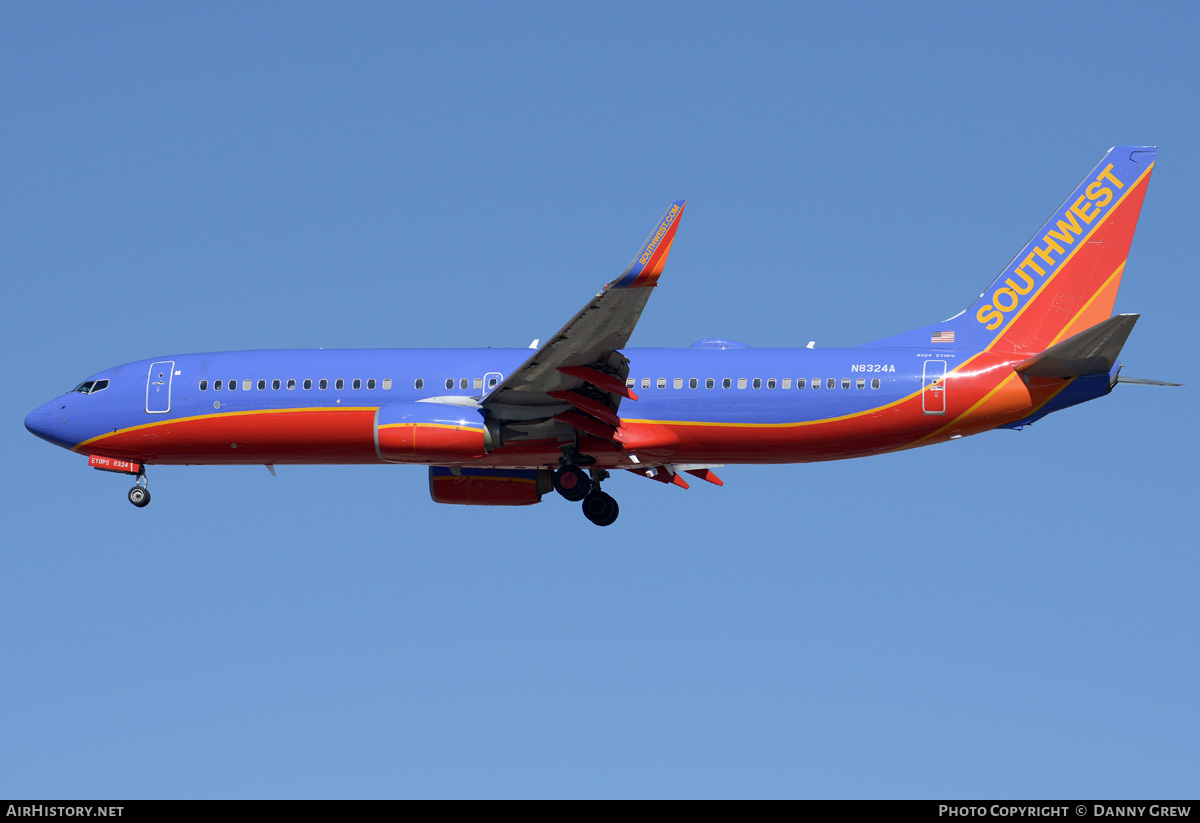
{"x": 504, "y": 427}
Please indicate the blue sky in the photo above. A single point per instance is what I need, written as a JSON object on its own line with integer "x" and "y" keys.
{"x": 1011, "y": 615}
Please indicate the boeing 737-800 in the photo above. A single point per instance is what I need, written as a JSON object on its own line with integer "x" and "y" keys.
{"x": 505, "y": 426}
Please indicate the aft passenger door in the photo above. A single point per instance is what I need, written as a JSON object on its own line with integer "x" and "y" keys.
{"x": 158, "y": 387}
{"x": 933, "y": 381}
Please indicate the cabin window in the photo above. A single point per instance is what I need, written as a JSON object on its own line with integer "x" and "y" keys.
{"x": 291, "y": 384}
{"x": 232, "y": 385}
{"x": 787, "y": 382}
{"x": 816, "y": 383}
{"x": 387, "y": 384}
{"x": 275, "y": 385}
{"x": 861, "y": 383}
{"x": 693, "y": 383}
{"x": 217, "y": 384}
{"x": 357, "y": 384}
{"x": 262, "y": 385}
{"x": 709, "y": 382}
{"x": 371, "y": 384}
{"x": 246, "y": 384}
{"x": 645, "y": 382}
{"x": 662, "y": 382}
{"x": 845, "y": 382}
{"x": 339, "y": 384}
{"x": 449, "y": 382}
{"x": 726, "y": 383}
{"x": 875, "y": 382}
{"x": 493, "y": 381}
{"x": 758, "y": 383}
{"x": 800, "y": 382}
{"x": 770, "y": 382}
{"x": 677, "y": 382}
{"x": 419, "y": 384}
{"x": 203, "y": 385}
{"x": 323, "y": 385}
{"x": 741, "y": 382}
{"x": 307, "y": 383}
{"x": 831, "y": 383}
{"x": 630, "y": 383}
{"x": 462, "y": 383}
{"x": 478, "y": 382}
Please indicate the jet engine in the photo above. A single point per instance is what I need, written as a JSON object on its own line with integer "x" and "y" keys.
{"x": 489, "y": 487}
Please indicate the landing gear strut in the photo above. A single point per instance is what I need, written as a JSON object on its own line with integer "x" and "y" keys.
{"x": 139, "y": 495}
{"x": 572, "y": 482}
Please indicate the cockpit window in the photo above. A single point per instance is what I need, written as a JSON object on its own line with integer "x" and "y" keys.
{"x": 91, "y": 386}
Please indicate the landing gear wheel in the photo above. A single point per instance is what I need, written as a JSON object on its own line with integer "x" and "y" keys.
{"x": 572, "y": 483}
{"x": 600, "y": 508}
{"x": 139, "y": 496}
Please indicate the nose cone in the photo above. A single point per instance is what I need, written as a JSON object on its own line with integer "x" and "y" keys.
{"x": 41, "y": 422}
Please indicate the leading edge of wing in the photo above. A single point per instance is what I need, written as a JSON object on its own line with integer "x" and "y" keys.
{"x": 650, "y": 259}
{"x": 594, "y": 335}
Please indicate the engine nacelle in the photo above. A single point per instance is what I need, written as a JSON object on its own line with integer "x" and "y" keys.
{"x": 428, "y": 433}
{"x": 488, "y": 487}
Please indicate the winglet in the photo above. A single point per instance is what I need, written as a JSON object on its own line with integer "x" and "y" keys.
{"x": 648, "y": 265}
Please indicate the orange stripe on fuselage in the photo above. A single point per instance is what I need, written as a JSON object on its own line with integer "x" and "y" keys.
{"x": 984, "y": 393}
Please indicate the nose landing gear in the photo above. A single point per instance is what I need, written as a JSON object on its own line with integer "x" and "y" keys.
{"x": 139, "y": 495}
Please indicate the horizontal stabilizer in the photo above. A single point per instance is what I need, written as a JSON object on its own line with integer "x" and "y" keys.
{"x": 1141, "y": 381}
{"x": 1092, "y": 351}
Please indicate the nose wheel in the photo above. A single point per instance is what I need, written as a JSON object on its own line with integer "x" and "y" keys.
{"x": 139, "y": 495}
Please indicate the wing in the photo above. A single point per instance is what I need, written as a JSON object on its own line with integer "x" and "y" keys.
{"x": 575, "y": 382}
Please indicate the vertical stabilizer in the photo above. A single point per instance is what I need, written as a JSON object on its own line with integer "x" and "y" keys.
{"x": 1066, "y": 277}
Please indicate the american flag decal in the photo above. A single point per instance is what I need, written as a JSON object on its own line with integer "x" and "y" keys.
{"x": 942, "y": 337}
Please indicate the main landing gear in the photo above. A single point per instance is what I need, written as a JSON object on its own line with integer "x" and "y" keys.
{"x": 600, "y": 508}
{"x": 572, "y": 482}
{"x": 139, "y": 495}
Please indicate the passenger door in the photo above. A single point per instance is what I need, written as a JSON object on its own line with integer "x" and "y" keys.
{"x": 158, "y": 387}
